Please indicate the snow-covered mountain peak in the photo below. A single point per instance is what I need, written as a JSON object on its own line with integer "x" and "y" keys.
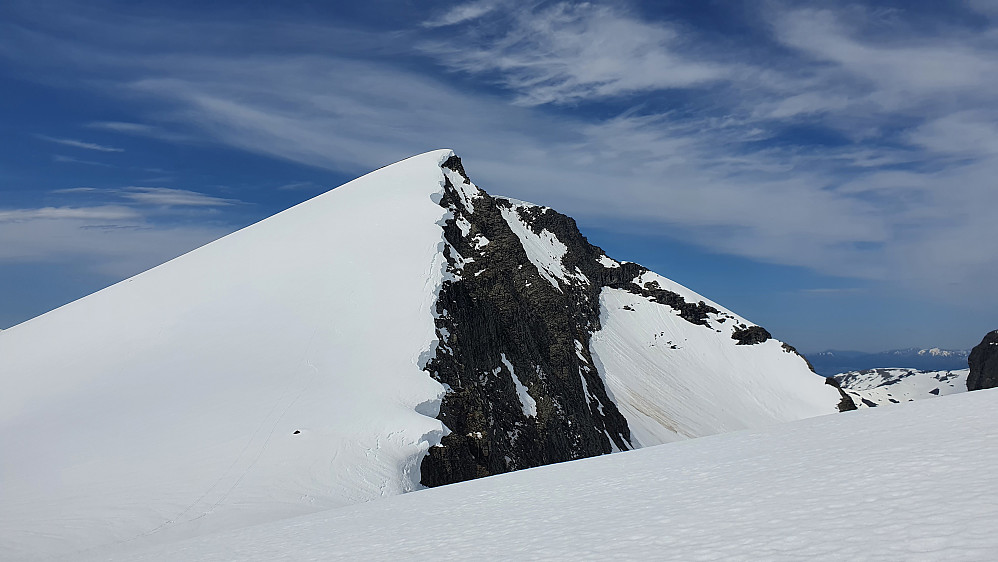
{"x": 404, "y": 329}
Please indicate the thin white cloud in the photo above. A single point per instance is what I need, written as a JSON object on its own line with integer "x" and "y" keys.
{"x": 463, "y": 13}
{"x": 140, "y": 129}
{"x": 122, "y": 127}
{"x": 169, "y": 197}
{"x": 570, "y": 52}
{"x": 150, "y": 196}
{"x": 98, "y": 214}
{"x": 70, "y": 160}
{"x": 908, "y": 214}
{"x": 109, "y": 240}
{"x": 80, "y": 144}
{"x": 76, "y": 190}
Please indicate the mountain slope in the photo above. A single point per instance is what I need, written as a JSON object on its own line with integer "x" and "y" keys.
{"x": 168, "y": 403}
{"x": 783, "y": 493}
{"x": 404, "y": 328}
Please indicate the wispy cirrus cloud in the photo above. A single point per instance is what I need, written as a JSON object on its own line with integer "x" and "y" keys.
{"x": 570, "y": 52}
{"x": 102, "y": 213}
{"x": 76, "y": 190}
{"x": 113, "y": 232}
{"x": 169, "y": 197}
{"x": 141, "y": 130}
{"x": 151, "y": 196}
{"x": 111, "y": 240}
{"x": 463, "y": 13}
{"x": 80, "y": 144}
{"x": 862, "y": 147}
{"x": 63, "y": 159}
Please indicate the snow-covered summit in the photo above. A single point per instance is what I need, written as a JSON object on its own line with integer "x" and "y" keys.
{"x": 404, "y": 329}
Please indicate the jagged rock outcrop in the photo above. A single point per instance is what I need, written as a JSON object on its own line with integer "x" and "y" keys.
{"x": 515, "y": 315}
{"x": 983, "y": 362}
{"x": 846, "y": 403}
{"x": 524, "y": 390}
{"x": 751, "y": 335}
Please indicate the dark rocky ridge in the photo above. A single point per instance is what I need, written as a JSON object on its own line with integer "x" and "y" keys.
{"x": 751, "y": 335}
{"x": 983, "y": 362}
{"x": 496, "y": 305}
{"x": 846, "y": 403}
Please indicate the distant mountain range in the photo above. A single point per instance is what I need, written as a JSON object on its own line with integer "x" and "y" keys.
{"x": 833, "y": 362}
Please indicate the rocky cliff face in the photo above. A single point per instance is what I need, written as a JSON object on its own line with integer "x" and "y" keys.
{"x": 983, "y": 363}
{"x": 515, "y": 315}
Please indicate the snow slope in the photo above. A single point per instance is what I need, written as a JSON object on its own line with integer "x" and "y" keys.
{"x": 170, "y": 404}
{"x": 877, "y": 387}
{"x": 880, "y": 484}
{"x": 672, "y": 380}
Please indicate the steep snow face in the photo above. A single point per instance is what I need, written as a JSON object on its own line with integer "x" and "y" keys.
{"x": 881, "y": 484}
{"x": 273, "y": 372}
{"x": 675, "y": 380}
{"x": 877, "y": 387}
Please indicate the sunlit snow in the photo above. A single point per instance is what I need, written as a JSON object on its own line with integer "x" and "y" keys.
{"x": 915, "y": 482}
{"x": 674, "y": 380}
{"x": 274, "y": 372}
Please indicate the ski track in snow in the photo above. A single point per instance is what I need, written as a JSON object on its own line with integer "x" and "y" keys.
{"x": 912, "y": 482}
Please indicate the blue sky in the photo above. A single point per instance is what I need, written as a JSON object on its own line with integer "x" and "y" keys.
{"x": 828, "y": 172}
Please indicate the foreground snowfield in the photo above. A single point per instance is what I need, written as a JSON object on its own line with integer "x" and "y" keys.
{"x": 912, "y": 482}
